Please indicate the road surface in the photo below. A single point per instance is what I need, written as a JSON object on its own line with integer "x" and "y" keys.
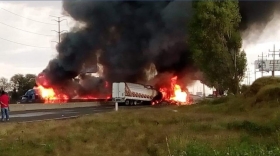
{"x": 62, "y": 113}
{"x": 65, "y": 113}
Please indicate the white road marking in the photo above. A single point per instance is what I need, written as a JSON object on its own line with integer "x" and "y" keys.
{"x": 63, "y": 112}
{"x": 31, "y": 114}
{"x": 61, "y": 118}
{"x": 24, "y": 115}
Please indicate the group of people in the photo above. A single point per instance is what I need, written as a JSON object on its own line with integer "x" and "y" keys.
{"x": 4, "y": 102}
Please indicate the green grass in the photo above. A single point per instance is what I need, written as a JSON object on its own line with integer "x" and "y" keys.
{"x": 226, "y": 126}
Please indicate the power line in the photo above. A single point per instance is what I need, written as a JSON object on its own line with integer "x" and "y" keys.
{"x": 262, "y": 61}
{"x": 248, "y": 76}
{"x": 22, "y": 43}
{"x": 26, "y": 17}
{"x": 273, "y": 54}
{"x": 255, "y": 72}
{"x": 59, "y": 20}
{"x": 24, "y": 30}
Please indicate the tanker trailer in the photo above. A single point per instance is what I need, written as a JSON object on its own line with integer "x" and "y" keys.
{"x": 134, "y": 94}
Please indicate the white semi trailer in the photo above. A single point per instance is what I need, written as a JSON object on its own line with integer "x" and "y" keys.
{"x": 134, "y": 94}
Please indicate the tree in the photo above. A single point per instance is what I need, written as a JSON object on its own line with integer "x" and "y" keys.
{"x": 4, "y": 84}
{"x": 241, "y": 63}
{"x": 30, "y": 79}
{"x": 244, "y": 88}
{"x": 21, "y": 83}
{"x": 215, "y": 41}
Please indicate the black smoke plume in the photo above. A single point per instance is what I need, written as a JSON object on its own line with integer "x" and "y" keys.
{"x": 130, "y": 35}
{"x": 257, "y": 13}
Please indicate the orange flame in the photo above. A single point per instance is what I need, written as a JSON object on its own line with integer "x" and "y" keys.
{"x": 50, "y": 96}
{"x": 175, "y": 93}
{"x": 179, "y": 95}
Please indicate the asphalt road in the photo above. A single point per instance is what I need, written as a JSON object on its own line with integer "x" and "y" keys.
{"x": 65, "y": 113}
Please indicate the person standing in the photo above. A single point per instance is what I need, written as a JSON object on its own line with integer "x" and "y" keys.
{"x": 4, "y": 100}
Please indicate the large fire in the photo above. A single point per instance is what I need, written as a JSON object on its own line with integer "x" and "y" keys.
{"x": 172, "y": 94}
{"x": 175, "y": 94}
{"x": 50, "y": 96}
{"x": 56, "y": 95}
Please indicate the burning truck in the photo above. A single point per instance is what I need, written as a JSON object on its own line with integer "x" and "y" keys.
{"x": 134, "y": 94}
{"x": 75, "y": 90}
{"x": 121, "y": 92}
{"x": 90, "y": 86}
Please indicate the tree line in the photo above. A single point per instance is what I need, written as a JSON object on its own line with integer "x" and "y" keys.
{"x": 17, "y": 85}
{"x": 215, "y": 41}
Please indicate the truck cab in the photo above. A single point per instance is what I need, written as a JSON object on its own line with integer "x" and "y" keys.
{"x": 31, "y": 96}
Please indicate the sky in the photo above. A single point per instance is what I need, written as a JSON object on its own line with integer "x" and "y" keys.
{"x": 16, "y": 58}
{"x": 262, "y": 41}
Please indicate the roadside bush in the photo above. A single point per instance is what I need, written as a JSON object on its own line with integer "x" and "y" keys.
{"x": 233, "y": 149}
{"x": 260, "y": 83}
{"x": 205, "y": 101}
{"x": 244, "y": 88}
{"x": 220, "y": 100}
{"x": 269, "y": 93}
{"x": 251, "y": 128}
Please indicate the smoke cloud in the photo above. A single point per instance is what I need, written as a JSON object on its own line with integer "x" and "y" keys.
{"x": 130, "y": 36}
{"x": 255, "y": 17}
{"x": 257, "y": 13}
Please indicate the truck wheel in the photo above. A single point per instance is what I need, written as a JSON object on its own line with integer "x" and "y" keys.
{"x": 127, "y": 102}
{"x": 134, "y": 103}
{"x": 131, "y": 102}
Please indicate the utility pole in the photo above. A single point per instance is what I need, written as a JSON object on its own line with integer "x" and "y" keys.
{"x": 59, "y": 20}
{"x": 261, "y": 56}
{"x": 255, "y": 72}
{"x": 248, "y": 73}
{"x": 273, "y": 55}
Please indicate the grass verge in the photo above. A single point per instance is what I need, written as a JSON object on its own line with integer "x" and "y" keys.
{"x": 224, "y": 127}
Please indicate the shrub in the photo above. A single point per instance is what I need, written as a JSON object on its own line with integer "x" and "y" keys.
{"x": 233, "y": 149}
{"x": 269, "y": 93}
{"x": 251, "y": 128}
{"x": 220, "y": 100}
{"x": 260, "y": 83}
{"x": 244, "y": 88}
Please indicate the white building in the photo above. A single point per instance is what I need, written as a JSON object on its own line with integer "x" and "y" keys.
{"x": 197, "y": 88}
